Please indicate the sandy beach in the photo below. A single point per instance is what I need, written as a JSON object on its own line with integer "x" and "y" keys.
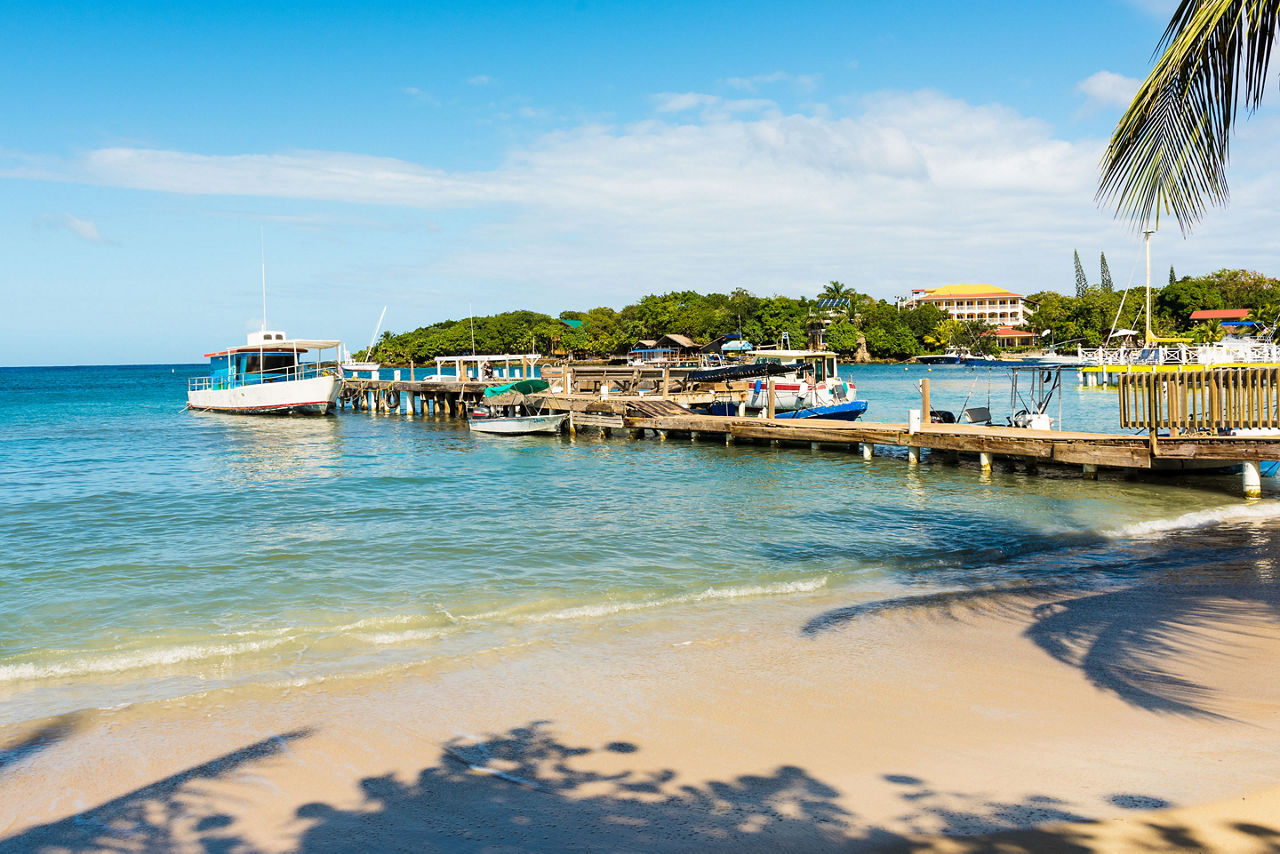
{"x": 1139, "y": 719}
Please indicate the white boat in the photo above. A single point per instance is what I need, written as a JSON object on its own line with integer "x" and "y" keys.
{"x": 516, "y": 425}
{"x": 506, "y": 411}
{"x": 269, "y": 375}
{"x": 812, "y": 382}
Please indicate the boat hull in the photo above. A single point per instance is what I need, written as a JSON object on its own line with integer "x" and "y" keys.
{"x": 850, "y": 411}
{"x": 313, "y": 396}
{"x": 518, "y": 425}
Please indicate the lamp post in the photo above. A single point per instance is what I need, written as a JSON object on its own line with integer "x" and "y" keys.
{"x": 1150, "y": 339}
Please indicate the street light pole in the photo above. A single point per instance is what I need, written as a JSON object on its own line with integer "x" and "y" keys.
{"x": 1150, "y": 339}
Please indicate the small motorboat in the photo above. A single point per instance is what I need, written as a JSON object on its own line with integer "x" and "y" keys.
{"x": 506, "y": 411}
{"x": 849, "y": 411}
{"x": 515, "y": 425}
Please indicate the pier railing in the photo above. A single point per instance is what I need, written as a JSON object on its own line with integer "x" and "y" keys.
{"x": 296, "y": 372}
{"x": 1213, "y": 400}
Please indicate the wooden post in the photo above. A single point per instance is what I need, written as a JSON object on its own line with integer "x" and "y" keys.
{"x": 411, "y": 370}
{"x": 666, "y": 382}
{"x": 773, "y": 401}
{"x": 924, "y": 401}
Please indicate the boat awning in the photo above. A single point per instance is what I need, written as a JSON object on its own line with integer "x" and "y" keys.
{"x": 794, "y": 354}
{"x": 523, "y": 387}
{"x": 1220, "y": 314}
{"x": 299, "y": 345}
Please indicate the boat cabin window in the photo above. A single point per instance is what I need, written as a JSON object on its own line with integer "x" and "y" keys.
{"x": 265, "y": 362}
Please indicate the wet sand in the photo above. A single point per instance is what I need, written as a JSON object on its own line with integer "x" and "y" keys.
{"x": 1139, "y": 719}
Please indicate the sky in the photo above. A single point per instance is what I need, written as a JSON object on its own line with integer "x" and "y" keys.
{"x": 444, "y": 159}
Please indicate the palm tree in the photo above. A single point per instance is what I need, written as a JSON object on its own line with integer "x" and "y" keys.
{"x": 1169, "y": 151}
{"x": 836, "y": 290}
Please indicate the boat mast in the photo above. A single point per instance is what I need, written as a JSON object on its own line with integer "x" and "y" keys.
{"x": 1150, "y": 339}
{"x": 374, "y": 340}
{"x": 262, "y": 250}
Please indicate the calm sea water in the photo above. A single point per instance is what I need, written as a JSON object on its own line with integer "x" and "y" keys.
{"x": 149, "y": 552}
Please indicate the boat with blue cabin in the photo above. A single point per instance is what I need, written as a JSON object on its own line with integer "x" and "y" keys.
{"x": 269, "y": 375}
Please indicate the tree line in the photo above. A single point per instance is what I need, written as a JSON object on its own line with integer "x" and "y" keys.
{"x": 1098, "y": 309}
{"x": 858, "y": 322}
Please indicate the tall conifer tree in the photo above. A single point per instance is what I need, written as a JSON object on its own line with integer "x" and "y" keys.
{"x": 1172, "y": 277}
{"x": 1106, "y": 275}
{"x": 1082, "y": 284}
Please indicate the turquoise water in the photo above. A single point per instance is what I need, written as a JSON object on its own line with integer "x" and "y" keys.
{"x": 149, "y": 552}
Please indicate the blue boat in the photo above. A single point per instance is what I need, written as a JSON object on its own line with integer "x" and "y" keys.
{"x": 848, "y": 411}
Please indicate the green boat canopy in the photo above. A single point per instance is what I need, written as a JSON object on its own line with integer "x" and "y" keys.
{"x": 523, "y": 387}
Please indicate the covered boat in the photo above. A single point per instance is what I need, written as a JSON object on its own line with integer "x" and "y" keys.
{"x": 269, "y": 375}
{"x": 506, "y": 411}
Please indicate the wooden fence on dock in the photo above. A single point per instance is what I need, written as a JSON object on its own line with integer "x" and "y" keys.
{"x": 1206, "y": 401}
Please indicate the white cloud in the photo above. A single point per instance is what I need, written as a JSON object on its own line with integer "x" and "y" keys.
{"x": 905, "y": 190}
{"x": 1159, "y": 9}
{"x": 1106, "y": 88}
{"x": 480, "y": 80}
{"x": 710, "y": 107}
{"x": 419, "y": 95}
{"x": 82, "y": 228}
{"x": 805, "y": 82}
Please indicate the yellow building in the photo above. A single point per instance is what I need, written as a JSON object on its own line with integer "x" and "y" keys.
{"x": 976, "y": 302}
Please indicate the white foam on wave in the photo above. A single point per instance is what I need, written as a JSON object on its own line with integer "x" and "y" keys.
{"x": 388, "y": 638}
{"x": 608, "y": 609}
{"x": 90, "y": 665}
{"x": 1257, "y": 512}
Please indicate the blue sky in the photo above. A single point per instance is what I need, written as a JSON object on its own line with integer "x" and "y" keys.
{"x": 439, "y": 159}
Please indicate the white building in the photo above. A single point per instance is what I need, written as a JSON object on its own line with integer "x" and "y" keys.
{"x": 976, "y": 302}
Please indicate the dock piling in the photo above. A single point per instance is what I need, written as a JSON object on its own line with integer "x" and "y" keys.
{"x": 1252, "y": 472}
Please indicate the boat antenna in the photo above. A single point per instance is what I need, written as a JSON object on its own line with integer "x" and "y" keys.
{"x": 262, "y": 252}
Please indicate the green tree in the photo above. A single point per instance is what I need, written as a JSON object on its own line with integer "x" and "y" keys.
{"x": 1172, "y": 277}
{"x": 1082, "y": 283}
{"x": 1105, "y": 284}
{"x": 1169, "y": 150}
{"x": 924, "y": 319}
{"x": 835, "y": 290}
{"x": 842, "y": 338}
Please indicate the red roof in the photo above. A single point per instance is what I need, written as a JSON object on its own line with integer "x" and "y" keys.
{"x": 1220, "y": 314}
{"x": 1010, "y": 332}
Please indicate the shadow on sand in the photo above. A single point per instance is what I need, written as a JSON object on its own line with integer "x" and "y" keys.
{"x": 46, "y": 736}
{"x": 1124, "y": 629}
{"x": 525, "y": 790}
{"x": 154, "y": 817}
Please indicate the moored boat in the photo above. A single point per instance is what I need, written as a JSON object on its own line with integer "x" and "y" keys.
{"x": 811, "y": 380}
{"x": 269, "y": 376}
{"x": 506, "y": 411}
{"x": 516, "y": 425}
{"x": 848, "y": 411}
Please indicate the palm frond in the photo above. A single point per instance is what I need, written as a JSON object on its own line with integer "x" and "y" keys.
{"x": 1169, "y": 151}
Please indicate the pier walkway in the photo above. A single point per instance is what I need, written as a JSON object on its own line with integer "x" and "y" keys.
{"x": 670, "y": 417}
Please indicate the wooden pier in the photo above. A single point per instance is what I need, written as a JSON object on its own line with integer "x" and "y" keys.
{"x": 1193, "y": 441}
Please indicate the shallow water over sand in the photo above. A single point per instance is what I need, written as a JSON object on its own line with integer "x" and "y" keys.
{"x": 149, "y": 552}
